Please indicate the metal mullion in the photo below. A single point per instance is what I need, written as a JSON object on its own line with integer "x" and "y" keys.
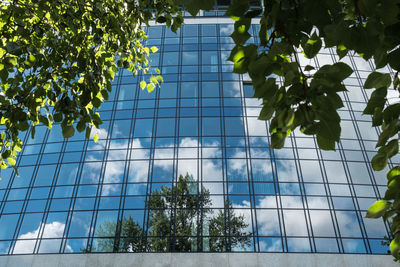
{"x": 223, "y": 141}
{"x": 102, "y": 168}
{"x": 172, "y": 226}
{"x": 128, "y": 159}
{"x": 27, "y": 196}
{"x": 333, "y": 211}
{"x": 348, "y": 174}
{"x": 151, "y": 162}
{"x": 250, "y": 173}
{"x": 73, "y": 201}
{"x": 330, "y": 200}
{"x": 341, "y": 160}
{"x": 51, "y": 194}
{"x": 278, "y": 196}
{"x": 150, "y": 180}
{"x": 278, "y": 200}
{"x": 355, "y": 201}
{"x": 199, "y": 182}
{"x": 306, "y": 209}
{"x": 7, "y": 189}
{"x": 126, "y": 171}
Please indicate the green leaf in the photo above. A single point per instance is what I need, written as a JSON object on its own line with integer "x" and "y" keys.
{"x": 367, "y": 7}
{"x": 392, "y": 148}
{"x": 263, "y": 34}
{"x": 111, "y": 73}
{"x": 95, "y": 138}
{"x": 237, "y": 8}
{"x": 154, "y": 49}
{"x": 308, "y": 68}
{"x": 240, "y": 38}
{"x": 81, "y": 126}
{"x": 377, "y": 80}
{"x": 394, "y": 172}
{"x": 329, "y": 125}
{"x": 380, "y": 58}
{"x": 253, "y": 13}
{"x": 160, "y": 79}
{"x": 194, "y": 6}
{"x": 67, "y": 130}
{"x": 150, "y": 87}
{"x": 393, "y": 189}
{"x": 267, "y": 90}
{"x": 238, "y": 58}
{"x": 325, "y": 143}
{"x": 378, "y": 209}
{"x": 13, "y": 48}
{"x": 31, "y": 58}
{"x": 394, "y": 59}
{"x": 6, "y": 154}
{"x": 278, "y": 140}
{"x": 241, "y": 56}
{"x": 335, "y": 73}
{"x": 12, "y": 60}
{"x": 312, "y": 46}
{"x": 3, "y": 165}
{"x": 341, "y": 50}
{"x": 147, "y": 51}
{"x": 379, "y": 161}
{"x": 4, "y": 75}
{"x": 388, "y": 11}
{"x": 57, "y": 117}
{"x": 11, "y": 161}
{"x": 143, "y": 84}
{"x": 395, "y": 246}
{"x": 266, "y": 112}
{"x": 161, "y": 19}
{"x": 376, "y": 101}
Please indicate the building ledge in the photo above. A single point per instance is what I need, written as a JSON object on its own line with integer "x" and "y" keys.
{"x": 197, "y": 259}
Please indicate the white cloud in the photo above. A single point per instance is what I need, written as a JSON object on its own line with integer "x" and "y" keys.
{"x": 51, "y": 230}
{"x": 226, "y": 29}
{"x": 276, "y": 246}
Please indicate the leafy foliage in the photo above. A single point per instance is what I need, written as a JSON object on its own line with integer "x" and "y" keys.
{"x": 309, "y": 99}
{"x": 180, "y": 219}
{"x": 58, "y": 58}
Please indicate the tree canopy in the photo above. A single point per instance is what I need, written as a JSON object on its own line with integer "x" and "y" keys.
{"x": 57, "y": 60}
{"x": 181, "y": 219}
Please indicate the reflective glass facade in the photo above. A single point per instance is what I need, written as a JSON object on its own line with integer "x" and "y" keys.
{"x": 188, "y": 167}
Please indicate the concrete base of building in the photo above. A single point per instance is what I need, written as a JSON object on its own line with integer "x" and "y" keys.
{"x": 196, "y": 259}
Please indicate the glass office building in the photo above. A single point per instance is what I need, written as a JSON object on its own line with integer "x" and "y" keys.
{"x": 188, "y": 167}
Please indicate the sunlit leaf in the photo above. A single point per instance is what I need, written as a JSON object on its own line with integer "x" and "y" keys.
{"x": 395, "y": 247}
{"x": 378, "y": 209}
{"x": 143, "y": 84}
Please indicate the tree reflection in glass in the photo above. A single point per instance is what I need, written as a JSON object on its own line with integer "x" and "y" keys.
{"x": 180, "y": 219}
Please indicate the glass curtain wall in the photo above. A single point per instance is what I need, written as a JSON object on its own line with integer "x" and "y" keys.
{"x": 188, "y": 167}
